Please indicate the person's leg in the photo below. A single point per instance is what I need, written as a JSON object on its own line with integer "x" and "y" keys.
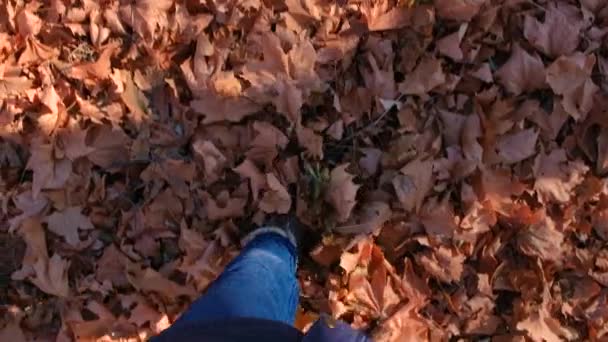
{"x": 260, "y": 283}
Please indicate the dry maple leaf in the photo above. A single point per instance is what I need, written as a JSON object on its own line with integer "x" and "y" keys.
{"x": 36, "y": 248}
{"x": 28, "y": 23}
{"x": 100, "y": 69}
{"x": 341, "y": 192}
{"x": 111, "y": 147}
{"x": 541, "y": 326}
{"x": 405, "y": 325}
{"x": 12, "y": 84}
{"x": 257, "y": 181}
{"x": 146, "y": 16}
{"x": 212, "y": 158}
{"x": 276, "y": 199}
{"x": 73, "y": 143}
{"x": 556, "y": 177}
{"x": 542, "y": 239}
{"x": 515, "y": 147}
{"x": 522, "y": 72}
{"x": 413, "y": 183}
{"x": 443, "y": 263}
{"x": 312, "y": 142}
{"x": 29, "y": 205}
{"x": 146, "y": 279}
{"x": 49, "y": 173}
{"x": 450, "y": 44}
{"x": 51, "y": 276}
{"x": 426, "y": 77}
{"x": 571, "y": 77}
{"x": 67, "y": 223}
{"x": 461, "y": 10}
{"x": 371, "y": 218}
{"x": 381, "y": 19}
{"x": 558, "y": 34}
{"x": 264, "y": 148}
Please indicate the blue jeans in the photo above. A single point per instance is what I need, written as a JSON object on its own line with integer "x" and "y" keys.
{"x": 260, "y": 283}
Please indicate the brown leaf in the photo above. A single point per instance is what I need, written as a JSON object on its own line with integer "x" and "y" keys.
{"x": 542, "y": 239}
{"x": 49, "y": 173}
{"x": 73, "y": 143}
{"x": 443, "y": 263}
{"x": 371, "y": 218}
{"x": 571, "y": 77}
{"x": 225, "y": 206}
{"x": 51, "y": 276}
{"x": 558, "y": 34}
{"x": 257, "y": 180}
{"x": 28, "y": 23}
{"x": 68, "y": 223}
{"x": 212, "y": 158}
{"x": 111, "y": 147}
{"x": 135, "y": 100}
{"x": 217, "y": 108}
{"x": 556, "y": 177}
{"x": 460, "y": 10}
{"x": 341, "y": 192}
{"x": 264, "y": 148}
{"x": 312, "y": 142}
{"x": 522, "y": 72}
{"x": 146, "y": 279}
{"x": 100, "y": 69}
{"x": 371, "y": 160}
{"x": 36, "y": 249}
{"x": 413, "y": 183}
{"x": 395, "y": 18}
{"x": 426, "y": 77}
{"x": 515, "y": 147}
{"x": 276, "y": 199}
{"x": 541, "y": 326}
{"x": 450, "y": 44}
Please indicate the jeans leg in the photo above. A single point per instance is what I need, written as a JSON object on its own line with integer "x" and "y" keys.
{"x": 260, "y": 283}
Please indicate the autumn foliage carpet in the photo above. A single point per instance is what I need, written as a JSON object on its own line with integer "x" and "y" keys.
{"x": 448, "y": 156}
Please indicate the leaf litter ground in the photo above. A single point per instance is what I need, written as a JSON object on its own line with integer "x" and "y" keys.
{"x": 449, "y": 158}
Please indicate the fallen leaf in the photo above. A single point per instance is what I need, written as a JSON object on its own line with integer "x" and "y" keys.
{"x": 556, "y": 177}
{"x": 413, "y": 183}
{"x": 371, "y": 160}
{"x": 522, "y": 72}
{"x": 28, "y": 23}
{"x": 515, "y": 147}
{"x": 559, "y": 33}
{"x": 73, "y": 143}
{"x": 341, "y": 192}
{"x": 68, "y": 223}
{"x": 145, "y": 279}
{"x": 311, "y": 141}
{"x": 264, "y": 148}
{"x": 542, "y": 239}
{"x": 460, "y": 10}
{"x": 257, "y": 181}
{"x": 49, "y": 173}
{"x": 276, "y": 199}
{"x": 450, "y": 44}
{"x": 51, "y": 276}
{"x": 444, "y": 264}
{"x": 571, "y": 77}
{"x": 212, "y": 158}
{"x": 426, "y": 77}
